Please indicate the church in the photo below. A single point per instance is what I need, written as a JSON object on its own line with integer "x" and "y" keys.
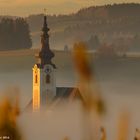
{"x": 44, "y": 76}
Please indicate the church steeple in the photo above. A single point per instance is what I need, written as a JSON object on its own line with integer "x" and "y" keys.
{"x": 44, "y": 79}
{"x": 45, "y": 54}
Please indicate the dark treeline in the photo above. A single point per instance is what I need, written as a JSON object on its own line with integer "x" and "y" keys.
{"x": 14, "y": 34}
{"x": 116, "y": 24}
{"x": 107, "y": 17}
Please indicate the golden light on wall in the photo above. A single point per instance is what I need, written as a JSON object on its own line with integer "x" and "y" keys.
{"x": 36, "y": 100}
{"x": 36, "y": 88}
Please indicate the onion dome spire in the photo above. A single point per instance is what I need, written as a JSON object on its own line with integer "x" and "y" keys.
{"x": 45, "y": 54}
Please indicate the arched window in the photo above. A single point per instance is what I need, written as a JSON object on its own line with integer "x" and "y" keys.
{"x": 36, "y": 79}
{"x": 48, "y": 79}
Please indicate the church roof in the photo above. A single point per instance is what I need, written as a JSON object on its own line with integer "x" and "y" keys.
{"x": 63, "y": 92}
{"x": 69, "y": 93}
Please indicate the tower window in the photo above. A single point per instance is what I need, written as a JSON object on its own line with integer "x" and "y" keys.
{"x": 48, "y": 78}
{"x": 36, "y": 79}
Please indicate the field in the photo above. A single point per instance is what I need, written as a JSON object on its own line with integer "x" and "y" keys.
{"x": 25, "y": 59}
{"x": 118, "y": 82}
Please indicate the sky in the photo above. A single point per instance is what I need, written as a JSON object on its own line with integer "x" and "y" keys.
{"x": 27, "y": 7}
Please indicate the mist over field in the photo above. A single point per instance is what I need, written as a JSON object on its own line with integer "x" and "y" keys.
{"x": 114, "y": 75}
{"x": 118, "y": 81}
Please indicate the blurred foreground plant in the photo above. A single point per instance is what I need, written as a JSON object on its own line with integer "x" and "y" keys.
{"x": 93, "y": 105}
{"x": 137, "y": 134}
{"x": 103, "y": 134}
{"x": 89, "y": 90}
{"x": 8, "y": 118}
{"x": 123, "y": 126}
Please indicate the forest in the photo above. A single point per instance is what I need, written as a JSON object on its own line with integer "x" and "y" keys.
{"x": 14, "y": 34}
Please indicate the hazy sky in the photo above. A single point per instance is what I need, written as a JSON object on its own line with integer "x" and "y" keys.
{"x": 26, "y": 7}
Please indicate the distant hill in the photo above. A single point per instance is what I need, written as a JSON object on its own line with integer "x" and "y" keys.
{"x": 117, "y": 24}
{"x": 115, "y": 12}
{"x": 107, "y": 22}
{"x": 111, "y": 11}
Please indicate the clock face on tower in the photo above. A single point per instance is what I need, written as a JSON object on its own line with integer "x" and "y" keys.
{"x": 48, "y": 70}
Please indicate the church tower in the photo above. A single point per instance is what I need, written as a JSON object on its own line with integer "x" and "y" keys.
{"x": 44, "y": 81}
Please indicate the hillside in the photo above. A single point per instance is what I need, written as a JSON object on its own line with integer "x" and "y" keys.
{"x": 109, "y": 23}
{"x": 116, "y": 24}
{"x": 115, "y": 12}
